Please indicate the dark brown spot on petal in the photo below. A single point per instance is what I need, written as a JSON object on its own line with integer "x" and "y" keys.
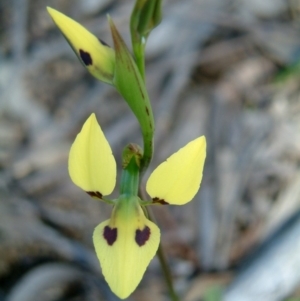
{"x": 95, "y": 194}
{"x": 110, "y": 234}
{"x": 86, "y": 57}
{"x": 141, "y": 236}
{"x": 159, "y": 201}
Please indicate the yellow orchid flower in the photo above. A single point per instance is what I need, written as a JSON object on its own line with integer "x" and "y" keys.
{"x": 126, "y": 243}
{"x": 93, "y": 53}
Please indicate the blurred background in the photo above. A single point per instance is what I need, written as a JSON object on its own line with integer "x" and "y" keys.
{"x": 227, "y": 69}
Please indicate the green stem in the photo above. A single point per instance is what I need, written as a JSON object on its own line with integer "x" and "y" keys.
{"x": 167, "y": 273}
{"x": 139, "y": 53}
{"x": 163, "y": 263}
{"x": 148, "y": 152}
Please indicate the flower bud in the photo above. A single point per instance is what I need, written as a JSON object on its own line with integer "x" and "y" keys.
{"x": 145, "y": 16}
{"x": 93, "y": 53}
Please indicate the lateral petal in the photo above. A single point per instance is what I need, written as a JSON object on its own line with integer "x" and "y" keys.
{"x": 125, "y": 245}
{"x": 177, "y": 180}
{"x": 92, "y": 165}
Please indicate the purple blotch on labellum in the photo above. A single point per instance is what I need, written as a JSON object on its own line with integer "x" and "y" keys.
{"x": 110, "y": 234}
{"x": 141, "y": 236}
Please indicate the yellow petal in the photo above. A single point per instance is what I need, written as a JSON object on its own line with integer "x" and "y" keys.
{"x": 125, "y": 245}
{"x": 92, "y": 165}
{"x": 94, "y": 54}
{"x": 177, "y": 180}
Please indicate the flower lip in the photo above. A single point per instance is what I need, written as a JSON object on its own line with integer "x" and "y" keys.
{"x": 121, "y": 242}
